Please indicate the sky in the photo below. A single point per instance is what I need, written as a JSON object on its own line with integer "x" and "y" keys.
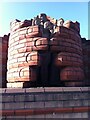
{"x": 74, "y": 11}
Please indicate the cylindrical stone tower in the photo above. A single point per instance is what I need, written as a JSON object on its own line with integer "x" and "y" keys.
{"x": 44, "y": 53}
{"x": 66, "y": 42}
{"x": 24, "y": 58}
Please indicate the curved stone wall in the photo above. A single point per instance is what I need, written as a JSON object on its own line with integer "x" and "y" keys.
{"x": 86, "y": 59}
{"x": 41, "y": 52}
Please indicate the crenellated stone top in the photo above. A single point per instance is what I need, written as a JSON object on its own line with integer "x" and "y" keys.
{"x": 45, "y": 22}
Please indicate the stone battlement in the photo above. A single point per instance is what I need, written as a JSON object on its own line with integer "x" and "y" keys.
{"x": 44, "y": 51}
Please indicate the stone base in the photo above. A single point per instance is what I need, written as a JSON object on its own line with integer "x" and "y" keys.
{"x": 54, "y": 102}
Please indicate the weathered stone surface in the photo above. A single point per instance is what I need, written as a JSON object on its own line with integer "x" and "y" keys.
{"x": 47, "y": 37}
{"x": 31, "y": 103}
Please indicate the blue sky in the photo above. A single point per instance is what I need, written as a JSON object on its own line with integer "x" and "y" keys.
{"x": 75, "y": 11}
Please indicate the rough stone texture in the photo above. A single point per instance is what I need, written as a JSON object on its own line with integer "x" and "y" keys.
{"x": 86, "y": 60}
{"x": 59, "y": 103}
{"x": 45, "y": 52}
{"x": 3, "y": 59}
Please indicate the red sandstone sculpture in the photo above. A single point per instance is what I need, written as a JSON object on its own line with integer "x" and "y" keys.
{"x": 43, "y": 53}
